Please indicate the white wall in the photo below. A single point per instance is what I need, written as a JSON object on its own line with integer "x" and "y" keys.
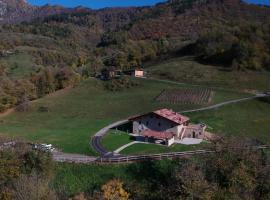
{"x": 138, "y": 73}
{"x": 153, "y": 122}
{"x": 170, "y": 142}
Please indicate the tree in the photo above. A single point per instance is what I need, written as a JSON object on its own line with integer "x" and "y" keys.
{"x": 26, "y": 187}
{"x": 113, "y": 190}
{"x": 23, "y": 105}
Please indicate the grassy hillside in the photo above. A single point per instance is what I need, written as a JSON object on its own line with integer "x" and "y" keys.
{"x": 187, "y": 70}
{"x": 246, "y": 119}
{"x": 75, "y": 115}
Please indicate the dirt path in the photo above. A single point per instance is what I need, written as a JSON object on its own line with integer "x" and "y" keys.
{"x": 73, "y": 158}
{"x": 7, "y": 112}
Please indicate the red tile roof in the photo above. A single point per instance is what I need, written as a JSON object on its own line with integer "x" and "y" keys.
{"x": 167, "y": 114}
{"x": 158, "y": 135}
{"x": 172, "y": 116}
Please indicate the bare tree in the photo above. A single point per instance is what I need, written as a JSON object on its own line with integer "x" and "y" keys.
{"x": 24, "y": 104}
{"x": 32, "y": 187}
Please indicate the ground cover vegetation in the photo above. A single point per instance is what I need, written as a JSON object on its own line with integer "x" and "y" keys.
{"x": 238, "y": 119}
{"x": 188, "y": 70}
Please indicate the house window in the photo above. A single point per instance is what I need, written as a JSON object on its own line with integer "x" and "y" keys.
{"x": 159, "y": 124}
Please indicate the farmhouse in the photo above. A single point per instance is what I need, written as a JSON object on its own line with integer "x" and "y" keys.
{"x": 165, "y": 126}
{"x": 135, "y": 72}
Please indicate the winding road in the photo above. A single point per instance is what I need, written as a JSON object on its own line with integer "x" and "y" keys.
{"x": 96, "y": 139}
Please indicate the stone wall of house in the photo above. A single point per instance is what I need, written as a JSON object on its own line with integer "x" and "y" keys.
{"x": 195, "y": 131}
{"x": 156, "y": 123}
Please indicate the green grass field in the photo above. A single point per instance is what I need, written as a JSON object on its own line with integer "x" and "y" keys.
{"x": 185, "y": 69}
{"x": 246, "y": 119}
{"x": 74, "y": 116}
{"x": 139, "y": 149}
{"x": 115, "y": 139}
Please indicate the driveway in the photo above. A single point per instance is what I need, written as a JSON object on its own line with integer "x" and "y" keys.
{"x": 96, "y": 139}
{"x": 72, "y": 158}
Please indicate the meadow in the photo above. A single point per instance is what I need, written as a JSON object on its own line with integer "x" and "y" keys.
{"x": 250, "y": 119}
{"x": 187, "y": 70}
{"x": 75, "y": 115}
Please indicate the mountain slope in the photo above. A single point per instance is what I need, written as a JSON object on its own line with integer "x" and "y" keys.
{"x": 15, "y": 11}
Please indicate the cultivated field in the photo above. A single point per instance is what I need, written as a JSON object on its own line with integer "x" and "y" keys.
{"x": 198, "y": 96}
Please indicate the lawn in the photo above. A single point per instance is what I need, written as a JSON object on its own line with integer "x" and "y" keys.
{"x": 139, "y": 149}
{"x": 115, "y": 139}
{"x": 185, "y": 69}
{"x": 75, "y": 115}
{"x": 246, "y": 119}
